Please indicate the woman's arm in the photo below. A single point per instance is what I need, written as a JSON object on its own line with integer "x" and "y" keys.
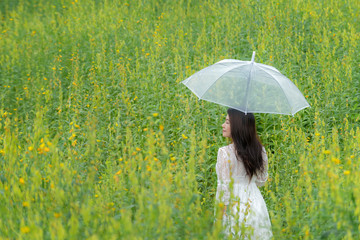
{"x": 223, "y": 170}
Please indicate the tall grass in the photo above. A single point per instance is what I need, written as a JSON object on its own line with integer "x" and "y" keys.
{"x": 100, "y": 141}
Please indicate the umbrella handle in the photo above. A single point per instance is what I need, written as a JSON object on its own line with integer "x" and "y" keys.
{"x": 253, "y": 57}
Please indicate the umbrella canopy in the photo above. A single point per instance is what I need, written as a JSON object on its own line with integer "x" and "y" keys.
{"x": 248, "y": 87}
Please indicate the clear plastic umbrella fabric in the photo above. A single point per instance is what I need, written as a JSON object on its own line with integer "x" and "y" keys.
{"x": 248, "y": 87}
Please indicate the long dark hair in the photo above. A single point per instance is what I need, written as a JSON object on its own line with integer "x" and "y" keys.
{"x": 247, "y": 144}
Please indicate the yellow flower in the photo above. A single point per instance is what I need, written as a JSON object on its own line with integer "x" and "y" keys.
{"x": 25, "y": 229}
{"x": 161, "y": 127}
{"x": 155, "y": 114}
{"x": 346, "y": 172}
{"x": 72, "y": 136}
{"x": 25, "y": 204}
{"x": 57, "y": 215}
{"x": 138, "y": 149}
{"x": 30, "y": 148}
{"x": 118, "y": 172}
{"x": 22, "y": 181}
{"x": 335, "y": 160}
{"x": 327, "y": 152}
{"x": 184, "y": 137}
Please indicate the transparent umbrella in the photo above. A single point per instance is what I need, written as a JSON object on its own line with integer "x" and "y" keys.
{"x": 248, "y": 87}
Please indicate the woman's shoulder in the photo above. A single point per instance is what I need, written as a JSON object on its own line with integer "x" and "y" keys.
{"x": 225, "y": 153}
{"x": 228, "y": 149}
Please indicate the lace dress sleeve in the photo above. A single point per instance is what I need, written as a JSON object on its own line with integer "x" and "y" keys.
{"x": 223, "y": 172}
{"x": 262, "y": 177}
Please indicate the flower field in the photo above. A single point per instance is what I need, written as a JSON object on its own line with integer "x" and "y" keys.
{"x": 99, "y": 140}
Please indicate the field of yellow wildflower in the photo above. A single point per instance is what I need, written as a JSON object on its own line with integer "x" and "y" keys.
{"x": 99, "y": 140}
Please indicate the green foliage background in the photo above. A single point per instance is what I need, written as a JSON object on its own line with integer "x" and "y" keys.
{"x": 100, "y": 140}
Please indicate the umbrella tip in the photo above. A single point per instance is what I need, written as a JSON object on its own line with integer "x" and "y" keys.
{"x": 253, "y": 57}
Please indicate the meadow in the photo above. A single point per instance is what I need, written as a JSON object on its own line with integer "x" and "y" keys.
{"x": 100, "y": 140}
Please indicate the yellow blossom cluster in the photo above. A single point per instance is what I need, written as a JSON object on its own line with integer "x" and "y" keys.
{"x": 43, "y": 148}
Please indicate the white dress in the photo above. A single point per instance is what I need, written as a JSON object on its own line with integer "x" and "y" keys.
{"x": 246, "y": 216}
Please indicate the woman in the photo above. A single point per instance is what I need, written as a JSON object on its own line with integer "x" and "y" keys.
{"x": 241, "y": 168}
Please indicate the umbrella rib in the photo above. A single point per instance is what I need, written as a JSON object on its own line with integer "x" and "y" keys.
{"x": 217, "y": 80}
{"x": 248, "y": 86}
{"x": 265, "y": 70}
